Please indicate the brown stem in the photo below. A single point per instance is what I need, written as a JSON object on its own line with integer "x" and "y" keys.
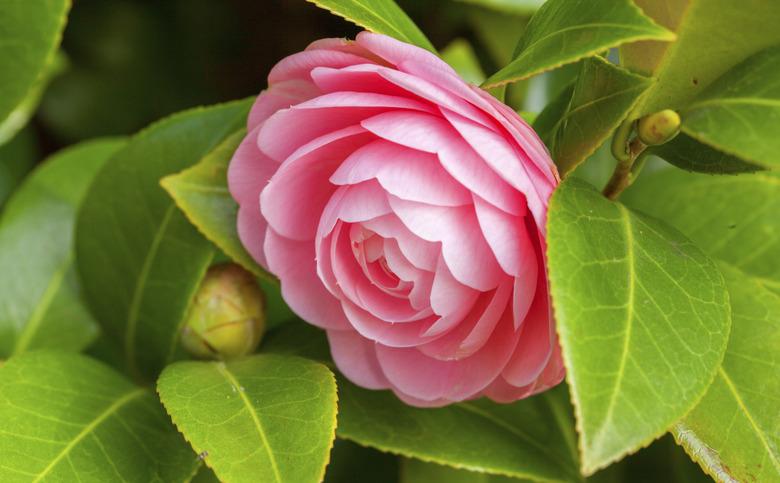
{"x": 621, "y": 177}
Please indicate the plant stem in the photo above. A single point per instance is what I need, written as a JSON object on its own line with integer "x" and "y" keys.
{"x": 622, "y": 177}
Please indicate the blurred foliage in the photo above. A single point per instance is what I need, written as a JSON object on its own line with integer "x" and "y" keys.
{"x": 135, "y": 61}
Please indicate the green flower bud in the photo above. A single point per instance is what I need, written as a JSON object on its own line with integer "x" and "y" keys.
{"x": 658, "y": 128}
{"x": 227, "y": 317}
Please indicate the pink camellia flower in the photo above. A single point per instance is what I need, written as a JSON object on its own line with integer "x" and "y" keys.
{"x": 403, "y": 211}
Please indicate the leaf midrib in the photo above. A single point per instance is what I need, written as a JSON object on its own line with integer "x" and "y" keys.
{"x": 629, "y": 236}
{"x": 225, "y": 372}
{"x": 135, "y": 304}
{"x": 741, "y": 404}
{"x": 89, "y": 428}
{"x": 37, "y": 315}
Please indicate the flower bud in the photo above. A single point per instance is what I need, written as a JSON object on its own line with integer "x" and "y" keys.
{"x": 659, "y": 127}
{"x": 226, "y": 318}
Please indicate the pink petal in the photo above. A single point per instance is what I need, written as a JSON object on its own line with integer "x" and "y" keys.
{"x": 293, "y": 262}
{"x": 422, "y": 254}
{"x": 306, "y": 175}
{"x": 299, "y": 65}
{"x": 249, "y": 171}
{"x": 475, "y": 330}
{"x": 535, "y": 345}
{"x": 503, "y": 392}
{"x": 280, "y": 96}
{"x": 355, "y": 78}
{"x": 512, "y": 124}
{"x": 422, "y": 280}
{"x": 357, "y": 288}
{"x": 406, "y": 334}
{"x": 431, "y": 134}
{"x": 251, "y": 231}
{"x": 406, "y": 173}
{"x": 450, "y": 298}
{"x": 396, "y": 52}
{"x": 508, "y": 237}
{"x": 421, "y": 377}
{"x": 354, "y": 203}
{"x": 464, "y": 248}
{"x": 288, "y": 129}
{"x": 355, "y": 357}
{"x": 524, "y": 135}
{"x": 506, "y": 161}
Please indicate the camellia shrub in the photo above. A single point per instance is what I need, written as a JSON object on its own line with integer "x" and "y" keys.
{"x": 390, "y": 266}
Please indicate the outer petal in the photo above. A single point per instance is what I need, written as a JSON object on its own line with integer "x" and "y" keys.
{"x": 417, "y": 375}
{"x": 293, "y": 262}
{"x": 355, "y": 357}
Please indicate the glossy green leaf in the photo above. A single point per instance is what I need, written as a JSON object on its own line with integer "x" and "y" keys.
{"x": 380, "y": 16}
{"x": 17, "y": 158}
{"x": 732, "y": 433}
{"x": 601, "y": 98}
{"x": 734, "y": 219}
{"x": 31, "y": 31}
{"x": 265, "y": 418}
{"x": 69, "y": 418}
{"x": 564, "y": 31}
{"x": 532, "y": 438}
{"x": 461, "y": 57}
{"x": 40, "y": 300}
{"x": 25, "y": 110}
{"x": 139, "y": 258}
{"x": 689, "y": 154}
{"x": 517, "y": 7}
{"x": 417, "y": 471}
{"x": 201, "y": 192}
{"x": 643, "y": 320}
{"x": 712, "y": 37}
{"x": 739, "y": 113}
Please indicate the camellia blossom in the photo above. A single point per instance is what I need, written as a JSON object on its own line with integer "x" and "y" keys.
{"x": 403, "y": 211}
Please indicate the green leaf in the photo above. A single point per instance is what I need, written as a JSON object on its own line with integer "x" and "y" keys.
{"x": 201, "y": 192}
{"x": 689, "y": 154}
{"x": 712, "y": 37}
{"x": 31, "y": 31}
{"x": 69, "y": 418}
{"x": 40, "y": 301}
{"x": 532, "y": 438}
{"x": 264, "y": 418}
{"x": 17, "y": 158}
{"x": 643, "y": 320}
{"x": 20, "y": 116}
{"x": 380, "y": 16}
{"x": 601, "y": 98}
{"x": 738, "y": 114}
{"x": 732, "y": 433}
{"x": 564, "y": 31}
{"x": 139, "y": 258}
{"x": 416, "y": 471}
{"x": 461, "y": 57}
{"x": 734, "y": 219}
{"x": 517, "y": 7}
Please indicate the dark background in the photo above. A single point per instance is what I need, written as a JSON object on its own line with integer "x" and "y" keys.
{"x": 131, "y": 62}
